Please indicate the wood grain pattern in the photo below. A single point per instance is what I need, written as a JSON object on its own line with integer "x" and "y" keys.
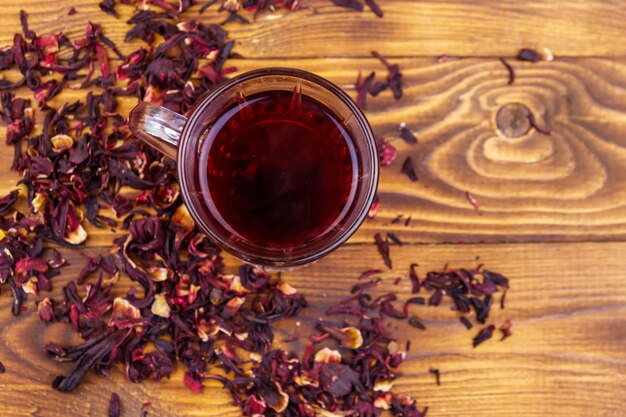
{"x": 409, "y": 28}
{"x": 530, "y": 188}
{"x": 567, "y": 354}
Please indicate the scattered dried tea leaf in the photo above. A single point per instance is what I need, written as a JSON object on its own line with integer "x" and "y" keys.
{"x": 509, "y": 69}
{"x": 415, "y": 282}
{"x": 108, "y": 6}
{"x": 350, "y": 4}
{"x": 465, "y": 321}
{"x": 484, "y": 334}
{"x": 416, "y": 322}
{"x": 375, "y": 8}
{"x": 408, "y": 168}
{"x": 506, "y": 329}
{"x": 472, "y": 200}
{"x": 386, "y": 152}
{"x": 383, "y": 248}
{"x": 374, "y": 207}
{"x": 115, "y": 407}
{"x": 437, "y": 374}
{"x": 407, "y": 135}
{"x": 533, "y": 55}
{"x": 395, "y": 239}
{"x": 362, "y": 86}
{"x": 394, "y": 76}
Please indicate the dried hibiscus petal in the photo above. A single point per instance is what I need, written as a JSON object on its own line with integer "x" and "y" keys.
{"x": 115, "y": 409}
{"x": 6, "y": 202}
{"x": 534, "y": 55}
{"x": 394, "y": 76}
{"x": 350, "y": 4}
{"x": 386, "y": 152}
{"x": 407, "y": 135}
{"x": 383, "y": 248}
{"x": 408, "y": 168}
{"x": 506, "y": 329}
{"x": 483, "y": 335}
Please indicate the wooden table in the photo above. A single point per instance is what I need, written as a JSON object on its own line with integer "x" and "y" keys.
{"x": 552, "y": 209}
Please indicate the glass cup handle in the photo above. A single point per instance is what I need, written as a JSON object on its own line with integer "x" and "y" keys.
{"x": 157, "y": 126}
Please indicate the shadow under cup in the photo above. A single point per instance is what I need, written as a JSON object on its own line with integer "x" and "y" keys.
{"x": 196, "y": 137}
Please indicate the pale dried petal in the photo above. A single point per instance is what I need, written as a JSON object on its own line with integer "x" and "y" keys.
{"x": 183, "y": 219}
{"x": 383, "y": 386}
{"x": 160, "y": 307}
{"x": 38, "y": 201}
{"x": 158, "y": 274}
{"x": 285, "y": 288}
{"x": 124, "y": 310}
{"x": 327, "y": 355}
{"x": 62, "y": 142}
{"x": 30, "y": 286}
{"x": 383, "y": 401}
{"x": 76, "y": 236}
{"x": 354, "y": 338}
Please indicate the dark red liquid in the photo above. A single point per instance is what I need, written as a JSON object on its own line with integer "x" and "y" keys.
{"x": 279, "y": 169}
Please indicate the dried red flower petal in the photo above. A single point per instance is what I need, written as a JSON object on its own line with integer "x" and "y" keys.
{"x": 45, "y": 310}
{"x": 6, "y": 202}
{"x": 375, "y": 7}
{"x": 408, "y": 168}
{"x": 472, "y": 200}
{"x": 394, "y": 238}
{"x": 115, "y": 408}
{"x": 108, "y": 6}
{"x": 383, "y": 248}
{"x": 394, "y": 76}
{"x": 407, "y": 135}
{"x": 415, "y": 282}
{"x": 510, "y": 70}
{"x": 362, "y": 86}
{"x": 484, "y": 334}
{"x": 397, "y": 219}
{"x": 437, "y": 374}
{"x": 532, "y": 55}
{"x": 374, "y": 207}
{"x": 506, "y": 329}
{"x": 464, "y": 320}
{"x": 416, "y": 322}
{"x": 193, "y": 383}
{"x": 386, "y": 152}
{"x": 350, "y": 4}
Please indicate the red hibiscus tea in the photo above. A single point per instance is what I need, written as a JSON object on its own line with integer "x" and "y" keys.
{"x": 279, "y": 169}
{"x": 277, "y": 166}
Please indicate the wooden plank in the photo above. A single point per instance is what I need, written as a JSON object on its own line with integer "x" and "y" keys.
{"x": 567, "y": 356}
{"x": 530, "y": 188}
{"x": 409, "y": 28}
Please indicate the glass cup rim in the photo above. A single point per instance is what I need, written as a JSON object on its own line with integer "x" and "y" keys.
{"x": 186, "y": 141}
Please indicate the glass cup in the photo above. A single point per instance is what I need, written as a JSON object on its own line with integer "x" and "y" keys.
{"x": 180, "y": 138}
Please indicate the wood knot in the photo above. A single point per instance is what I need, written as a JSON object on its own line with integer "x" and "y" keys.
{"x": 513, "y": 120}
